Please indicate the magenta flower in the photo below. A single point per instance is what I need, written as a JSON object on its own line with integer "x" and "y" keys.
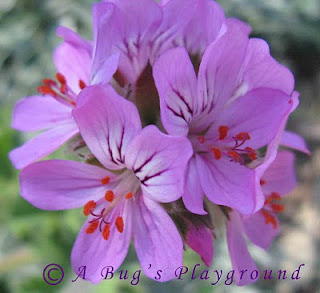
{"x": 236, "y": 105}
{"x": 262, "y": 227}
{"x": 149, "y": 169}
{"x": 51, "y": 113}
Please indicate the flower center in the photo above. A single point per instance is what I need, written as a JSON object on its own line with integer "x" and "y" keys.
{"x": 59, "y": 89}
{"x": 271, "y": 207}
{"x": 101, "y": 211}
{"x": 236, "y": 153}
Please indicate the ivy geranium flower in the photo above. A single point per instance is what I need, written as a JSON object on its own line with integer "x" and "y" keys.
{"x": 51, "y": 111}
{"x": 137, "y": 170}
{"x": 235, "y": 105}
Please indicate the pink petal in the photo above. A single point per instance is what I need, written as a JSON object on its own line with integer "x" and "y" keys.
{"x": 280, "y": 175}
{"x": 107, "y": 123}
{"x": 42, "y": 145}
{"x": 219, "y": 71}
{"x": 106, "y": 70}
{"x": 239, "y": 254}
{"x": 171, "y": 25}
{"x": 294, "y": 141}
{"x": 96, "y": 253}
{"x": 259, "y": 113}
{"x": 176, "y": 83}
{"x": 129, "y": 29}
{"x": 73, "y": 38}
{"x": 258, "y": 232}
{"x": 200, "y": 239}
{"x": 203, "y": 28}
{"x": 39, "y": 112}
{"x": 261, "y": 70}
{"x": 159, "y": 162}
{"x": 61, "y": 184}
{"x": 157, "y": 240}
{"x": 229, "y": 183}
{"x": 74, "y": 63}
{"x": 193, "y": 193}
{"x": 272, "y": 148}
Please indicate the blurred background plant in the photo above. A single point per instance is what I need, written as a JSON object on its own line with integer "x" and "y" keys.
{"x": 30, "y": 238}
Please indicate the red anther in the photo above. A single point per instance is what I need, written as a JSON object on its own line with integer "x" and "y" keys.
{"x": 129, "y": 195}
{"x": 82, "y": 84}
{"x": 269, "y": 218}
{"x": 119, "y": 224}
{"x": 73, "y": 103}
{"x": 105, "y": 180}
{"x": 92, "y": 227}
{"x": 262, "y": 182}
{"x": 46, "y": 91}
{"x": 267, "y": 201}
{"x": 290, "y": 101}
{"x": 90, "y": 205}
{"x": 63, "y": 89}
{"x": 60, "y": 77}
{"x": 223, "y": 131}
{"x": 106, "y": 231}
{"x": 217, "y": 153}
{"x": 278, "y": 208}
{"x": 275, "y": 196}
{"x": 243, "y": 136}
{"x": 234, "y": 156}
{"x": 109, "y": 196}
{"x": 201, "y": 139}
{"x": 251, "y": 153}
{"x": 49, "y": 82}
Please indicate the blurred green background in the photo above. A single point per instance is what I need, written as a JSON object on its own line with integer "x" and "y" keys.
{"x": 30, "y": 239}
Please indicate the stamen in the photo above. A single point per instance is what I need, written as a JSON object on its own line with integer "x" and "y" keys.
{"x": 223, "y": 131}
{"x": 109, "y": 196}
{"x": 90, "y": 205}
{"x": 129, "y": 195}
{"x": 92, "y": 227}
{"x": 269, "y": 218}
{"x": 45, "y": 90}
{"x": 262, "y": 182}
{"x": 201, "y": 139}
{"x": 234, "y": 156}
{"x": 251, "y": 153}
{"x": 119, "y": 224}
{"x": 60, "y": 77}
{"x": 106, "y": 231}
{"x": 217, "y": 153}
{"x": 105, "y": 180}
{"x": 243, "y": 136}
{"x": 82, "y": 84}
{"x": 63, "y": 89}
{"x": 278, "y": 208}
{"x": 49, "y": 82}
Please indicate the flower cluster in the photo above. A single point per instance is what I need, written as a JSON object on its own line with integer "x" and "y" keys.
{"x": 176, "y": 116}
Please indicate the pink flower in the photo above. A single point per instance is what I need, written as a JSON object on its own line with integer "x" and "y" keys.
{"x": 262, "y": 227}
{"x": 149, "y": 169}
{"x": 51, "y": 113}
{"x": 235, "y": 106}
